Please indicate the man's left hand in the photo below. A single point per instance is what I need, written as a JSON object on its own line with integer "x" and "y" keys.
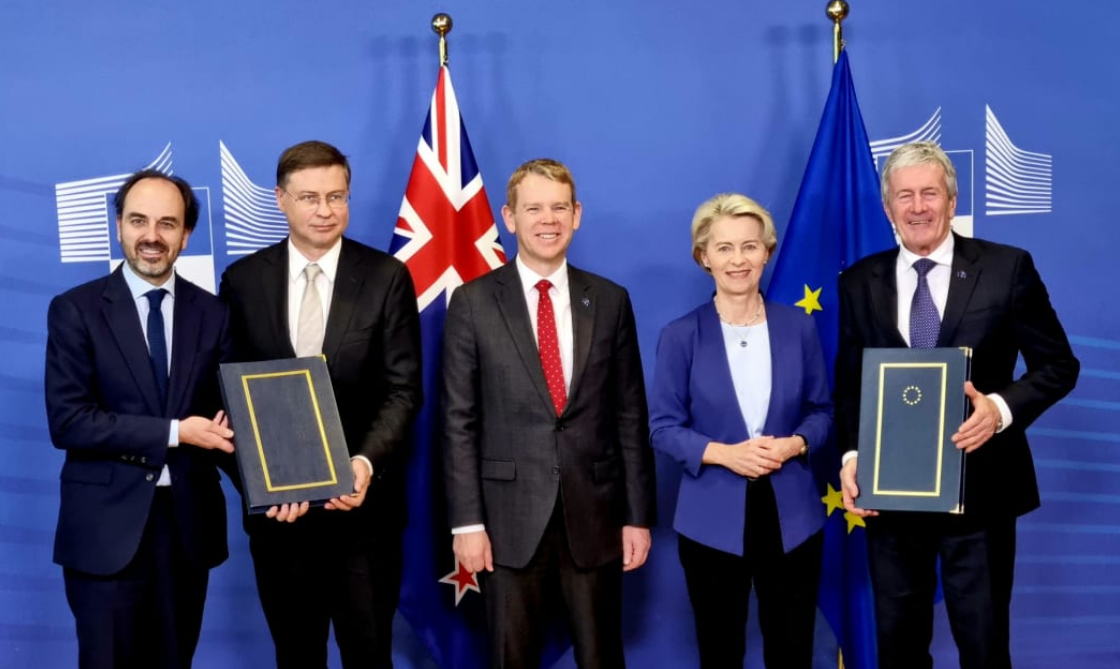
{"x": 981, "y": 425}
{"x": 635, "y": 547}
{"x": 362, "y": 475}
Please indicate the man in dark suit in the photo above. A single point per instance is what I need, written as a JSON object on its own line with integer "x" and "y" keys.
{"x": 131, "y": 376}
{"x": 320, "y": 293}
{"x": 941, "y": 289}
{"x": 547, "y": 463}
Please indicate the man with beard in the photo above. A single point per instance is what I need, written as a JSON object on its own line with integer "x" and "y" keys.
{"x": 131, "y": 386}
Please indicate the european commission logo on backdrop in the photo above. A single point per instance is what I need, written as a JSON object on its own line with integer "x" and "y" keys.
{"x": 1016, "y": 181}
{"x": 87, "y": 222}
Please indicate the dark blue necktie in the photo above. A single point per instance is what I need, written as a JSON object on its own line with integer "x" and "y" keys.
{"x": 925, "y": 323}
{"x": 157, "y": 342}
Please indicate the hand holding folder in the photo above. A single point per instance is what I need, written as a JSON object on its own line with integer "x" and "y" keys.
{"x": 291, "y": 450}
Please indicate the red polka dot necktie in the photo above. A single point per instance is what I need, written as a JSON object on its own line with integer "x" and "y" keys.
{"x": 548, "y": 344}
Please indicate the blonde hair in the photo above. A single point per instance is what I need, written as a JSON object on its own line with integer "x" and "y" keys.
{"x": 550, "y": 169}
{"x": 728, "y": 204}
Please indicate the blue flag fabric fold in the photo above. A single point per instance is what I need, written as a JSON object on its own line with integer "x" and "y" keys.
{"x": 837, "y": 219}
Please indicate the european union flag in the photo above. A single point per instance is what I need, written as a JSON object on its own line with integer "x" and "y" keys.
{"x": 838, "y": 218}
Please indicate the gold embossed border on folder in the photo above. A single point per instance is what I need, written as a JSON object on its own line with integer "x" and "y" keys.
{"x": 306, "y": 374}
{"x": 937, "y": 445}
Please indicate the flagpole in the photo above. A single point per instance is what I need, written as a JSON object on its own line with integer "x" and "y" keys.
{"x": 441, "y": 25}
{"x": 837, "y": 10}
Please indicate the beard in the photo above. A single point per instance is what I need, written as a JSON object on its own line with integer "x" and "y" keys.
{"x": 147, "y": 268}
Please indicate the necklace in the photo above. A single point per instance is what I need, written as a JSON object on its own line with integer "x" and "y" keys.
{"x": 734, "y": 326}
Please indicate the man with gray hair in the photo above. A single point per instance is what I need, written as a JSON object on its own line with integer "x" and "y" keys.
{"x": 941, "y": 289}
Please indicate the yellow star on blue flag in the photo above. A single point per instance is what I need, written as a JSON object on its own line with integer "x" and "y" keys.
{"x": 854, "y": 521}
{"x": 834, "y": 500}
{"x": 811, "y": 302}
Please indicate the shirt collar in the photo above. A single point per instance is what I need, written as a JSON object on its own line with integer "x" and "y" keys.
{"x": 529, "y": 278}
{"x": 942, "y": 255}
{"x": 328, "y": 263}
{"x": 138, "y": 287}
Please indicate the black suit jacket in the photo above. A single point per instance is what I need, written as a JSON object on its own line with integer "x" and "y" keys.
{"x": 998, "y": 305}
{"x": 372, "y": 347}
{"x": 507, "y": 455}
{"x": 103, "y": 411}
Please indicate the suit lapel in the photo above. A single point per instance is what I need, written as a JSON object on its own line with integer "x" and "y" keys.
{"x": 515, "y": 312}
{"x": 274, "y": 287}
{"x": 781, "y": 350}
{"x": 347, "y": 286}
{"x": 124, "y": 324}
{"x": 713, "y": 349}
{"x": 962, "y": 282}
{"x": 583, "y": 325}
{"x": 184, "y": 344}
{"x": 884, "y": 298}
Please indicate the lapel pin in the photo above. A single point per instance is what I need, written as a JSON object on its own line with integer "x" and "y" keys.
{"x": 586, "y": 302}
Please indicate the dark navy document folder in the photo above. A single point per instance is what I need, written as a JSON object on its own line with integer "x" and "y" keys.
{"x": 912, "y": 402}
{"x": 287, "y": 434}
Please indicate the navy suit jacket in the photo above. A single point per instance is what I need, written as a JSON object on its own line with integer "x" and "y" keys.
{"x": 103, "y": 411}
{"x": 693, "y": 403}
{"x": 998, "y": 306}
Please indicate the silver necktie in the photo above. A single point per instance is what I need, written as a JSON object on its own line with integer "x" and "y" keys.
{"x": 309, "y": 331}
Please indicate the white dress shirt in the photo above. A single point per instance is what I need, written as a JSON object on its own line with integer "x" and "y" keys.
{"x": 561, "y": 309}
{"x": 139, "y": 288}
{"x": 906, "y": 279}
{"x": 324, "y": 283}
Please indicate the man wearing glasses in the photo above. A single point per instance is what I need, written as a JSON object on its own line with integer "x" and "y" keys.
{"x": 319, "y": 293}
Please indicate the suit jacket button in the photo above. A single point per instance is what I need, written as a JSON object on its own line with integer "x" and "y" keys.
{"x": 556, "y": 471}
{"x": 559, "y": 426}
{"x": 150, "y": 477}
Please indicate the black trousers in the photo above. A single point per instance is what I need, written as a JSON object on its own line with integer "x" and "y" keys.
{"x": 149, "y": 614}
{"x": 520, "y": 604}
{"x": 977, "y": 572}
{"x": 307, "y": 582}
{"x": 719, "y": 586}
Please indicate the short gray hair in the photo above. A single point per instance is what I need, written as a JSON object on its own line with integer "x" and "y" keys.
{"x": 919, "y": 153}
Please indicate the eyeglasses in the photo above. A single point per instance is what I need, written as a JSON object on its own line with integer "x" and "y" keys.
{"x": 336, "y": 201}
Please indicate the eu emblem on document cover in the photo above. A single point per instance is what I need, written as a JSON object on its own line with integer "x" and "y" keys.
{"x": 287, "y": 434}
{"x": 912, "y": 402}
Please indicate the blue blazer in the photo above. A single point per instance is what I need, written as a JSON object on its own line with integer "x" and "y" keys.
{"x": 693, "y": 403}
{"x": 102, "y": 409}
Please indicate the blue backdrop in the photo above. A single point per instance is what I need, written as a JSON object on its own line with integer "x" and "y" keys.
{"x": 656, "y": 107}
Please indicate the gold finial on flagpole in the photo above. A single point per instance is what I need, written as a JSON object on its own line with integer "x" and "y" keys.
{"x": 441, "y": 25}
{"x": 837, "y": 10}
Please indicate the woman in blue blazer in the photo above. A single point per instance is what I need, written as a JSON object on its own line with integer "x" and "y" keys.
{"x": 740, "y": 399}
